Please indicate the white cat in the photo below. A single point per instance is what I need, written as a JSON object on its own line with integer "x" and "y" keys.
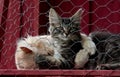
{"x": 28, "y": 47}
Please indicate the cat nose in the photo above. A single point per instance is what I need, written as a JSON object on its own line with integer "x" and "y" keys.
{"x": 66, "y": 31}
{"x": 66, "y": 34}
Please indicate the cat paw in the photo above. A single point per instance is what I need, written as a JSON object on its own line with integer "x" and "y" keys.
{"x": 88, "y": 44}
{"x": 81, "y": 59}
{"x": 101, "y": 67}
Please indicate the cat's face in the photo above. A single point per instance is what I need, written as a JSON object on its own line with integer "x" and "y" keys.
{"x": 64, "y": 28}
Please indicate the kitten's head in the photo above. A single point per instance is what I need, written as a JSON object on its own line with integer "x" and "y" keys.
{"x": 64, "y": 28}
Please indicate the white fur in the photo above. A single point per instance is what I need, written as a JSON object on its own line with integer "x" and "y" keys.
{"x": 88, "y": 44}
{"x": 57, "y": 55}
{"x": 26, "y": 60}
{"x": 82, "y": 56}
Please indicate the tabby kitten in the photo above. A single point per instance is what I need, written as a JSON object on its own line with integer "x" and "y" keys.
{"x": 65, "y": 47}
{"x": 108, "y": 50}
{"x": 66, "y": 36}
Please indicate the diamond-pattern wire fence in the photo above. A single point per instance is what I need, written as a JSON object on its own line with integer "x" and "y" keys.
{"x": 19, "y": 18}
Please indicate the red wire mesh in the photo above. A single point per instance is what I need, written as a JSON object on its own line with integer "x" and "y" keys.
{"x": 21, "y": 17}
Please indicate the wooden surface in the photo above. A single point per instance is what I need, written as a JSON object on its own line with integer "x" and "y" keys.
{"x": 94, "y": 73}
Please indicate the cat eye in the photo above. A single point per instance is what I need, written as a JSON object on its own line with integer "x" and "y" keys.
{"x": 57, "y": 30}
{"x": 52, "y": 24}
{"x": 76, "y": 24}
{"x": 55, "y": 24}
{"x": 74, "y": 29}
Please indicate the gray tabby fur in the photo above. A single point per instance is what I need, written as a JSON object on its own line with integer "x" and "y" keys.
{"x": 67, "y": 43}
{"x": 67, "y": 40}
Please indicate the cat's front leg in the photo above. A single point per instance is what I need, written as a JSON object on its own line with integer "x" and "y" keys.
{"x": 88, "y": 44}
{"x": 81, "y": 59}
{"x": 89, "y": 49}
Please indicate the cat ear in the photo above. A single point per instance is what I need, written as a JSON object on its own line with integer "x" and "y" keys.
{"x": 54, "y": 18}
{"x": 77, "y": 16}
{"x": 26, "y": 50}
